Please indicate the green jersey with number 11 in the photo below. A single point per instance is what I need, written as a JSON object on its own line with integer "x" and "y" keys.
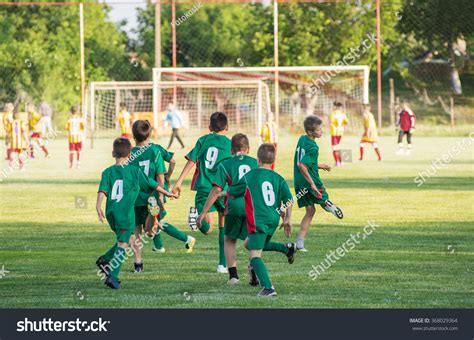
{"x": 122, "y": 184}
{"x": 230, "y": 172}
{"x": 264, "y": 192}
{"x": 210, "y": 150}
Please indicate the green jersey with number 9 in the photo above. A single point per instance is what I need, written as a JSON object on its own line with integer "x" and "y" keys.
{"x": 264, "y": 192}
{"x": 122, "y": 184}
{"x": 210, "y": 150}
{"x": 230, "y": 172}
{"x": 149, "y": 159}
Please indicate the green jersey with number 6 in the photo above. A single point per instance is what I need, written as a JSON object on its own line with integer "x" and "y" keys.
{"x": 231, "y": 172}
{"x": 208, "y": 152}
{"x": 264, "y": 191}
{"x": 122, "y": 184}
{"x": 307, "y": 152}
{"x": 149, "y": 159}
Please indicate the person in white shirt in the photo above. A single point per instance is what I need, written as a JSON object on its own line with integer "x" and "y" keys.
{"x": 175, "y": 118}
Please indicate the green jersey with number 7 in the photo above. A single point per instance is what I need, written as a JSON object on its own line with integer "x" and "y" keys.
{"x": 210, "y": 150}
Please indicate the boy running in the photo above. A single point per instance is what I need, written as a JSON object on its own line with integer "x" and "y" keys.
{"x": 125, "y": 120}
{"x": 18, "y": 138}
{"x": 229, "y": 173}
{"x": 120, "y": 185}
{"x": 35, "y": 129}
{"x": 308, "y": 184}
{"x": 148, "y": 157}
{"x": 210, "y": 150}
{"x": 338, "y": 120}
{"x": 75, "y": 127}
{"x": 370, "y": 133}
{"x": 267, "y": 198}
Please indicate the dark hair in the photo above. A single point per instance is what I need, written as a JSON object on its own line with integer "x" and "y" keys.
{"x": 141, "y": 130}
{"x": 240, "y": 142}
{"x": 121, "y": 148}
{"x": 74, "y": 109}
{"x": 311, "y": 122}
{"x": 337, "y": 104}
{"x": 266, "y": 153}
{"x": 122, "y": 104}
{"x": 218, "y": 122}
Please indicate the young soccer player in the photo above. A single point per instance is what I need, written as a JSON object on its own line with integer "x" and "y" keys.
{"x": 75, "y": 126}
{"x": 229, "y": 172}
{"x": 370, "y": 134}
{"x": 125, "y": 119}
{"x": 406, "y": 120}
{"x": 18, "y": 138}
{"x": 210, "y": 150}
{"x": 267, "y": 198}
{"x": 7, "y": 121}
{"x": 338, "y": 120}
{"x": 148, "y": 157}
{"x": 308, "y": 185}
{"x": 35, "y": 129}
{"x": 120, "y": 185}
{"x": 269, "y": 132}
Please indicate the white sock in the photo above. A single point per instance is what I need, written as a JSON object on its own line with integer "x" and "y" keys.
{"x": 299, "y": 243}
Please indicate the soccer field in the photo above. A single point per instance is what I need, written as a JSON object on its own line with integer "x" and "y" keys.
{"x": 421, "y": 254}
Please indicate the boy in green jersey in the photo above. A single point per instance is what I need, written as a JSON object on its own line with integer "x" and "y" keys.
{"x": 121, "y": 185}
{"x": 230, "y": 172}
{"x": 267, "y": 197}
{"x": 210, "y": 150}
{"x": 149, "y": 157}
{"x": 308, "y": 185}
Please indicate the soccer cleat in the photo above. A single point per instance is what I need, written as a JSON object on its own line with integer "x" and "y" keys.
{"x": 333, "y": 209}
{"x": 192, "y": 218}
{"x": 303, "y": 249}
{"x": 291, "y": 252}
{"x": 138, "y": 267}
{"x": 253, "y": 279}
{"x": 102, "y": 263}
{"x": 190, "y": 244}
{"x": 153, "y": 207}
{"x": 221, "y": 269}
{"x": 267, "y": 292}
{"x": 159, "y": 250}
{"x": 233, "y": 281}
{"x": 112, "y": 283}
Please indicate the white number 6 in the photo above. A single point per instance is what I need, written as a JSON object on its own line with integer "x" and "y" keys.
{"x": 268, "y": 193}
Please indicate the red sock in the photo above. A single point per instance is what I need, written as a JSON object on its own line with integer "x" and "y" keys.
{"x": 377, "y": 151}
{"x": 339, "y": 156}
{"x": 45, "y": 150}
{"x": 71, "y": 159}
{"x": 9, "y": 154}
{"x": 361, "y": 153}
{"x": 334, "y": 153}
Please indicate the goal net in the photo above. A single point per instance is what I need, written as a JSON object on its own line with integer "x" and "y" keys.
{"x": 104, "y": 105}
{"x": 247, "y": 95}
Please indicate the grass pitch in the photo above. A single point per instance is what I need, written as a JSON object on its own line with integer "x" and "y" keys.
{"x": 420, "y": 256}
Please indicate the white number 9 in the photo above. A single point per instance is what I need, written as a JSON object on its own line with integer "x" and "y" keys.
{"x": 211, "y": 157}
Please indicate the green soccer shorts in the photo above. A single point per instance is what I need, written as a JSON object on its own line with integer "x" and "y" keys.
{"x": 235, "y": 227}
{"x": 123, "y": 233}
{"x": 309, "y": 198}
{"x": 258, "y": 240}
{"x": 201, "y": 198}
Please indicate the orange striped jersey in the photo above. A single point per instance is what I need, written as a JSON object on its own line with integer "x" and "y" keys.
{"x": 337, "y": 119}
{"x": 7, "y": 121}
{"x": 75, "y": 127}
{"x": 33, "y": 120}
{"x": 16, "y": 134}
{"x": 124, "y": 118}
{"x": 269, "y": 133}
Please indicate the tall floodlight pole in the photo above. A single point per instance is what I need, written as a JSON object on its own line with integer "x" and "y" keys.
{"x": 379, "y": 70}
{"x": 275, "y": 52}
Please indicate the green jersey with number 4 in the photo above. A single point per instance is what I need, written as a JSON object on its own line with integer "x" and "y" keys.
{"x": 307, "y": 152}
{"x": 208, "y": 152}
{"x": 264, "y": 192}
{"x": 122, "y": 184}
{"x": 149, "y": 159}
{"x": 231, "y": 172}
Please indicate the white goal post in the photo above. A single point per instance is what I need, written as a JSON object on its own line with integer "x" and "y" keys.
{"x": 300, "y": 90}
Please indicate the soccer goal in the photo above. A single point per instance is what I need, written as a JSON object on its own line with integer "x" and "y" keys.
{"x": 104, "y": 100}
{"x": 251, "y": 95}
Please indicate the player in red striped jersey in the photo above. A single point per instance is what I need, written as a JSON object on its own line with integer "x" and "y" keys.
{"x": 406, "y": 120}
{"x": 75, "y": 127}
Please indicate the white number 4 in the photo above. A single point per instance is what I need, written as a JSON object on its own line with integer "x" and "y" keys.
{"x": 117, "y": 190}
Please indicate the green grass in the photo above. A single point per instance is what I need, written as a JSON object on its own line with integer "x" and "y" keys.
{"x": 49, "y": 247}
